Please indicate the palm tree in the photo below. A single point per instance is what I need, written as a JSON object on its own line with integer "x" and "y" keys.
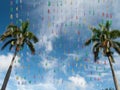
{"x": 17, "y": 37}
{"x": 104, "y": 39}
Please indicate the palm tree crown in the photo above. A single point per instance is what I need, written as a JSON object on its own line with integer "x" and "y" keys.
{"x": 17, "y": 37}
{"x": 104, "y": 38}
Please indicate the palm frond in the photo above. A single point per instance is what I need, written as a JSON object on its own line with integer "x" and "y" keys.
{"x": 93, "y": 39}
{"x": 31, "y": 46}
{"x": 35, "y": 39}
{"x": 12, "y": 28}
{"x": 11, "y": 31}
{"x": 31, "y": 36}
{"x": 115, "y": 34}
{"x": 6, "y": 34}
{"x": 108, "y": 25}
{"x": 116, "y": 46}
{"x": 25, "y": 26}
{"x": 17, "y": 33}
{"x": 9, "y": 35}
{"x": 2, "y": 38}
{"x": 117, "y": 43}
{"x": 96, "y": 48}
{"x": 11, "y": 46}
{"x": 117, "y": 50}
{"x": 22, "y": 46}
{"x": 94, "y": 30}
{"x": 7, "y": 43}
{"x": 88, "y": 42}
{"x": 96, "y": 37}
{"x": 100, "y": 25}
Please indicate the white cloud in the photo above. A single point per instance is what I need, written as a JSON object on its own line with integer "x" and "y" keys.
{"x": 40, "y": 86}
{"x": 72, "y": 7}
{"x": 75, "y": 56}
{"x": 48, "y": 64}
{"x": 49, "y": 46}
{"x": 5, "y": 61}
{"x": 48, "y": 37}
{"x": 72, "y": 55}
{"x": 64, "y": 69}
{"x": 45, "y": 32}
{"x": 78, "y": 81}
{"x": 45, "y": 42}
{"x": 27, "y": 86}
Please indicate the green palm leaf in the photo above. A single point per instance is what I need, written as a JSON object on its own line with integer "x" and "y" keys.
{"x": 100, "y": 25}
{"x": 10, "y": 48}
{"x": 12, "y": 28}
{"x": 116, "y": 46}
{"x": 31, "y": 46}
{"x": 17, "y": 34}
{"x": 96, "y": 48}
{"x": 11, "y": 31}
{"x": 2, "y": 38}
{"x": 108, "y": 25}
{"x": 117, "y": 43}
{"x": 114, "y": 34}
{"x": 31, "y": 36}
{"x": 25, "y": 26}
{"x": 117, "y": 50}
{"x": 5, "y": 35}
{"x": 93, "y": 39}
{"x": 88, "y": 42}
{"x": 94, "y": 30}
{"x": 7, "y": 43}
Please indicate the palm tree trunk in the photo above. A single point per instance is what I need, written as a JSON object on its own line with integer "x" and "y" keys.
{"x": 110, "y": 58}
{"x": 6, "y": 79}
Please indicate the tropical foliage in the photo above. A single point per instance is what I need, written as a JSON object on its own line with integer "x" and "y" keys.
{"x": 16, "y": 37}
{"x": 104, "y": 39}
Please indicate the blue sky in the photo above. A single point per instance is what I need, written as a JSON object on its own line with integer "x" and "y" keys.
{"x": 61, "y": 62}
